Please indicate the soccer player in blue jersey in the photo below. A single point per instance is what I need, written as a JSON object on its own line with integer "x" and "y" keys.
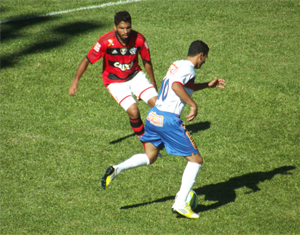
{"x": 165, "y": 129}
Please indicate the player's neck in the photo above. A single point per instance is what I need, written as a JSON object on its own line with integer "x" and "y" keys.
{"x": 192, "y": 59}
{"x": 122, "y": 41}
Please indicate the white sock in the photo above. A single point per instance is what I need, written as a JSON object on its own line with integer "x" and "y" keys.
{"x": 140, "y": 159}
{"x": 188, "y": 179}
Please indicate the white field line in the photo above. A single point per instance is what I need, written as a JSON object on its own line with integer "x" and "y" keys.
{"x": 69, "y": 11}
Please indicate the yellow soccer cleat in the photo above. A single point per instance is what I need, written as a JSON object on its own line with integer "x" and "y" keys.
{"x": 185, "y": 211}
{"x": 109, "y": 175}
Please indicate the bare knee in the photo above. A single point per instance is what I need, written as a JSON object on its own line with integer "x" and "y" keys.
{"x": 195, "y": 158}
{"x": 200, "y": 160}
{"x": 151, "y": 151}
{"x": 152, "y": 101}
{"x": 152, "y": 159}
{"x": 133, "y": 111}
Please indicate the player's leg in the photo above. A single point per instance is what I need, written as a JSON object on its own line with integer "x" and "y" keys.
{"x": 151, "y": 102}
{"x": 143, "y": 89}
{"x": 135, "y": 120}
{"x": 188, "y": 179}
{"x": 140, "y": 159}
{"x": 178, "y": 141}
{"x": 151, "y": 151}
{"x": 196, "y": 158}
{"x": 137, "y": 160}
{"x": 122, "y": 94}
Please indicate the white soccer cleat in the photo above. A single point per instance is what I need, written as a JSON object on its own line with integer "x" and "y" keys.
{"x": 185, "y": 211}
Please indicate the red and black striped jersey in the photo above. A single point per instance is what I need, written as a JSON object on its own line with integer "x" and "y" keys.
{"x": 120, "y": 63}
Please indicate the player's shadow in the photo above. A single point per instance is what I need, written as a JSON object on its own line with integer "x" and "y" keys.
{"x": 121, "y": 139}
{"x": 15, "y": 29}
{"x": 200, "y": 126}
{"x": 192, "y": 128}
{"x": 224, "y": 192}
{"x": 59, "y": 36}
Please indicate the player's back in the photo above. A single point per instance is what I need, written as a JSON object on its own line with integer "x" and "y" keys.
{"x": 182, "y": 72}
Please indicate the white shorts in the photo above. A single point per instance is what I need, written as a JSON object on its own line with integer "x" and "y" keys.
{"x": 139, "y": 86}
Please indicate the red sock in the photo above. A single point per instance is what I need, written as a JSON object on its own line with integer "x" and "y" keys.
{"x": 137, "y": 126}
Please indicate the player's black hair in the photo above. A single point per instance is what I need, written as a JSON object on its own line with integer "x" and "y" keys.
{"x": 122, "y": 16}
{"x": 197, "y": 47}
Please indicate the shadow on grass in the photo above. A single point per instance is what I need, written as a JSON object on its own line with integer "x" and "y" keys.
{"x": 121, "y": 139}
{"x": 200, "y": 126}
{"x": 193, "y": 128}
{"x": 63, "y": 33}
{"x": 224, "y": 192}
{"x": 15, "y": 28}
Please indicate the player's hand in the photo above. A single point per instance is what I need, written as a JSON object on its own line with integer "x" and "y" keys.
{"x": 193, "y": 114}
{"x": 220, "y": 83}
{"x": 73, "y": 88}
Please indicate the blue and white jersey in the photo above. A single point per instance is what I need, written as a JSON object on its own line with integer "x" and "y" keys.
{"x": 164, "y": 128}
{"x": 183, "y": 72}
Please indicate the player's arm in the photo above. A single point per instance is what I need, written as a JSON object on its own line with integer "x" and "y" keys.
{"x": 180, "y": 91}
{"x": 220, "y": 83}
{"x": 149, "y": 69}
{"x": 80, "y": 70}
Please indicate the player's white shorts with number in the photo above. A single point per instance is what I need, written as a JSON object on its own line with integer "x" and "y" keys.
{"x": 139, "y": 86}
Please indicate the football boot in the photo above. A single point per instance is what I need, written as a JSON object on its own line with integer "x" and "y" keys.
{"x": 185, "y": 211}
{"x": 109, "y": 175}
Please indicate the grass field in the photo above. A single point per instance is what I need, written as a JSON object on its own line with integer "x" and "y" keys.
{"x": 55, "y": 148}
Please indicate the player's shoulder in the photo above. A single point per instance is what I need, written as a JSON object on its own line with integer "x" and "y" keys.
{"x": 184, "y": 67}
{"x": 187, "y": 65}
{"x": 184, "y": 64}
{"x": 137, "y": 35}
{"x": 108, "y": 36}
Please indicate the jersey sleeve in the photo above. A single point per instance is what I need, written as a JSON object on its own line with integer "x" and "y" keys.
{"x": 144, "y": 51}
{"x": 96, "y": 53}
{"x": 183, "y": 78}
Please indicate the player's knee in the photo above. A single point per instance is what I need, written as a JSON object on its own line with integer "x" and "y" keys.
{"x": 195, "y": 158}
{"x": 152, "y": 158}
{"x": 200, "y": 160}
{"x": 133, "y": 112}
{"x": 152, "y": 101}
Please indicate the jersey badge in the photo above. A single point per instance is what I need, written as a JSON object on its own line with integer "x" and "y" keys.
{"x": 133, "y": 50}
{"x": 146, "y": 45}
{"x": 173, "y": 69}
{"x": 123, "y": 51}
{"x": 111, "y": 42}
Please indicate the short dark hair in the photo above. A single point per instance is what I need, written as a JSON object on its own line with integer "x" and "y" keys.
{"x": 122, "y": 16}
{"x": 197, "y": 47}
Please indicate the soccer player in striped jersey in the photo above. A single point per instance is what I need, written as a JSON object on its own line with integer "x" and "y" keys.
{"x": 121, "y": 73}
{"x": 165, "y": 129}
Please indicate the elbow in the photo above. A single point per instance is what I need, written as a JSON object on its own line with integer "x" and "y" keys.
{"x": 146, "y": 62}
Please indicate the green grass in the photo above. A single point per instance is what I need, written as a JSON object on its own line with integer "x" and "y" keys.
{"x": 55, "y": 148}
